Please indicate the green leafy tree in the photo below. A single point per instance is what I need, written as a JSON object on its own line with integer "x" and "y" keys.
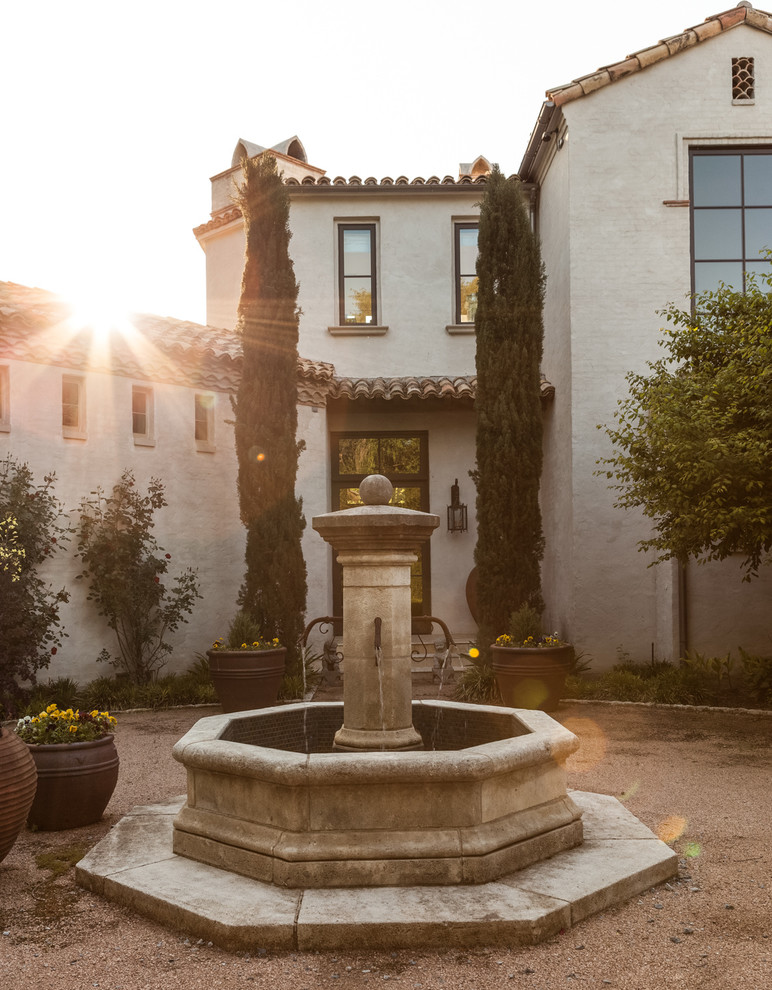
{"x": 125, "y": 567}
{"x": 693, "y": 439}
{"x": 274, "y": 589}
{"x": 509, "y": 330}
{"x": 30, "y": 533}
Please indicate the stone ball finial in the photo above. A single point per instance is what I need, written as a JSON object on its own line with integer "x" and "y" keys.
{"x": 376, "y": 490}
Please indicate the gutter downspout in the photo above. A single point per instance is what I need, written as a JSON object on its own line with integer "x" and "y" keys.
{"x": 683, "y": 608}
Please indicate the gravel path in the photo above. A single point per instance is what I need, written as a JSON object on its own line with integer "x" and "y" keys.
{"x": 702, "y": 780}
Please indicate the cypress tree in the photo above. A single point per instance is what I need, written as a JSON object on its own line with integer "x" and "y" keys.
{"x": 510, "y": 333}
{"x": 274, "y": 589}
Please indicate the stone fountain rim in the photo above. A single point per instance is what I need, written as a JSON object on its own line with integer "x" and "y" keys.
{"x": 202, "y": 747}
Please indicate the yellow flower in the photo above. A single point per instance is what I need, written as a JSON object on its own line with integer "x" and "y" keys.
{"x": 73, "y": 728}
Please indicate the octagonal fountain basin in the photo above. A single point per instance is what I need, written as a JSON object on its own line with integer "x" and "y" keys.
{"x": 268, "y": 799}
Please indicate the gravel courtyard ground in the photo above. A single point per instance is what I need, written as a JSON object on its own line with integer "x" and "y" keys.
{"x": 701, "y": 779}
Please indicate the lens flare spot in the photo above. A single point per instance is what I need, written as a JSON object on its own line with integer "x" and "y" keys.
{"x": 692, "y": 850}
{"x": 631, "y": 791}
{"x": 530, "y": 693}
{"x": 592, "y": 744}
{"x": 671, "y": 828}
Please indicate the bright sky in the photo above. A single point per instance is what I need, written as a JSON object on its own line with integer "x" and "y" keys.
{"x": 115, "y": 116}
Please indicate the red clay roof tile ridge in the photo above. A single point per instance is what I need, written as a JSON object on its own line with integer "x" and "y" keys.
{"x": 666, "y": 48}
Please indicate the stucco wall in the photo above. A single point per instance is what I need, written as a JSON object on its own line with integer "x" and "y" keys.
{"x": 629, "y": 256}
{"x": 415, "y": 280}
{"x": 200, "y": 527}
{"x": 556, "y": 491}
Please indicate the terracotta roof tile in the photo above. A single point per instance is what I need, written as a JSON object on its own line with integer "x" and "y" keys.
{"x": 404, "y": 388}
{"x": 434, "y": 387}
{"x": 225, "y": 216}
{"x": 37, "y": 326}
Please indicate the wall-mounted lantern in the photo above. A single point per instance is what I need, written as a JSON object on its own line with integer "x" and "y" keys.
{"x": 456, "y": 511}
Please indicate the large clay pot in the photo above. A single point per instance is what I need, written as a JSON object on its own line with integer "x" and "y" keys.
{"x": 75, "y": 783}
{"x": 531, "y": 678}
{"x": 247, "y": 679}
{"x": 18, "y": 780}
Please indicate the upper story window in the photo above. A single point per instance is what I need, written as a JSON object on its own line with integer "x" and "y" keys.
{"x": 73, "y": 407}
{"x": 731, "y": 201}
{"x": 204, "y": 421}
{"x": 465, "y": 254}
{"x": 5, "y": 398}
{"x": 357, "y": 290}
{"x": 142, "y": 414}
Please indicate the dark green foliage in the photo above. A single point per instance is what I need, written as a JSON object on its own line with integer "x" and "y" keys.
{"x": 30, "y": 533}
{"x": 757, "y": 671}
{"x": 693, "y": 440}
{"x": 274, "y": 590}
{"x": 696, "y": 679}
{"x": 125, "y": 565}
{"x": 524, "y": 624}
{"x": 477, "y": 685}
{"x": 509, "y": 329}
{"x": 61, "y": 691}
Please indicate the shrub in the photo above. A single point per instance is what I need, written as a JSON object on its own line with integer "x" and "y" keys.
{"x": 30, "y": 533}
{"x": 125, "y": 565}
{"x": 477, "y": 684}
{"x": 757, "y": 672}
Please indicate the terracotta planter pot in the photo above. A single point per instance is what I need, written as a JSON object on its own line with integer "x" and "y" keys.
{"x": 531, "y": 678}
{"x": 18, "y": 780}
{"x": 247, "y": 679}
{"x": 75, "y": 783}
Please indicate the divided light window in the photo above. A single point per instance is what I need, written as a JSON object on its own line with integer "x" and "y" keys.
{"x": 204, "y": 421}
{"x": 731, "y": 205}
{"x": 356, "y": 273}
{"x": 73, "y": 407}
{"x": 466, "y": 271}
{"x": 404, "y": 459}
{"x": 142, "y": 414}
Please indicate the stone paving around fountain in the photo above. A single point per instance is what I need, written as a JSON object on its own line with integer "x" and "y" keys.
{"x": 135, "y": 866}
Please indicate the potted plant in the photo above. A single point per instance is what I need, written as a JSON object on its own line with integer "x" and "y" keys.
{"x": 530, "y": 666}
{"x": 18, "y": 780}
{"x": 246, "y": 670}
{"x": 77, "y": 766}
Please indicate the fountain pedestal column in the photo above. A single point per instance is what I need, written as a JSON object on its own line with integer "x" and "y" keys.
{"x": 377, "y": 543}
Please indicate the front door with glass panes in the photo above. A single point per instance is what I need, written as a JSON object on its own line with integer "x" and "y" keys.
{"x": 404, "y": 459}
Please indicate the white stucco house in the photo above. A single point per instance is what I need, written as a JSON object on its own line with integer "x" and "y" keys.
{"x": 648, "y": 179}
{"x": 653, "y": 179}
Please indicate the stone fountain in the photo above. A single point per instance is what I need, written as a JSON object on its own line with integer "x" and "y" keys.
{"x": 381, "y": 821}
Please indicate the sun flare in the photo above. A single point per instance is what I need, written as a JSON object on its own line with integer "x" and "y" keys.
{"x": 102, "y": 313}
